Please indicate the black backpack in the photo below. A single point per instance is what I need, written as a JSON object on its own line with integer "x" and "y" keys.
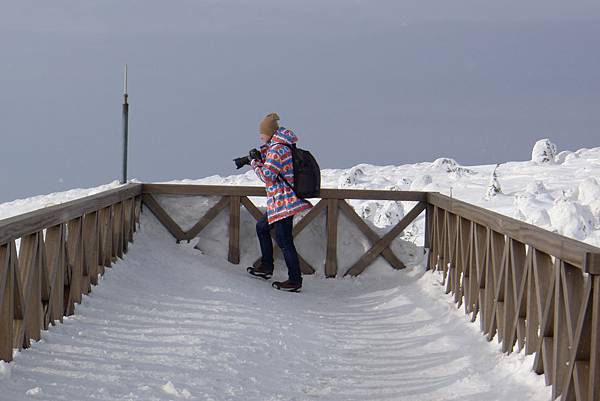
{"x": 307, "y": 174}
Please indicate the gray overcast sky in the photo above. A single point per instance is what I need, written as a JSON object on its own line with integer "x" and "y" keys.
{"x": 381, "y": 82}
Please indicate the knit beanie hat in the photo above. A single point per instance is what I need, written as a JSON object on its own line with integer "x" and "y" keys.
{"x": 269, "y": 124}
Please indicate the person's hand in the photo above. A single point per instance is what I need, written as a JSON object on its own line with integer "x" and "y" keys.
{"x": 254, "y": 154}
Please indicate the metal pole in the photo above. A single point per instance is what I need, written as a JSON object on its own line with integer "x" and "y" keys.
{"x": 125, "y": 128}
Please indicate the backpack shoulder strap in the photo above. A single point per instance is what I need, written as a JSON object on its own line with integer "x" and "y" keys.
{"x": 291, "y": 146}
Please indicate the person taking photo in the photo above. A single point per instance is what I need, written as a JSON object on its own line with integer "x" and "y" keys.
{"x": 273, "y": 164}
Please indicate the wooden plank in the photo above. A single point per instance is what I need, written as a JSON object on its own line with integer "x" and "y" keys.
{"x": 325, "y": 193}
{"x": 521, "y": 264}
{"x": 387, "y": 253}
{"x": 385, "y": 241}
{"x": 594, "y": 383}
{"x": 472, "y": 279}
{"x": 252, "y": 209}
{"x": 480, "y": 247}
{"x": 579, "y": 345}
{"x": 462, "y": 270}
{"x": 6, "y": 305}
{"x": 581, "y": 378}
{"x": 592, "y": 263}
{"x": 514, "y": 268}
{"x": 90, "y": 249}
{"x": 428, "y": 226}
{"x": 44, "y": 281}
{"x": 208, "y": 217}
{"x": 29, "y": 275}
{"x": 573, "y": 287}
{"x": 487, "y": 303}
{"x": 75, "y": 266}
{"x": 441, "y": 239}
{"x": 532, "y": 307}
{"x": 499, "y": 253}
{"x": 564, "y": 248}
{"x": 234, "y": 230}
{"x": 105, "y": 231}
{"x": 118, "y": 230}
{"x": 57, "y": 264}
{"x": 432, "y": 251}
{"x": 137, "y": 211}
{"x": 332, "y": 230}
{"x": 20, "y": 335}
{"x": 561, "y": 339}
{"x": 28, "y": 223}
{"x": 130, "y": 219}
{"x": 544, "y": 355}
{"x": 163, "y": 217}
{"x": 548, "y": 360}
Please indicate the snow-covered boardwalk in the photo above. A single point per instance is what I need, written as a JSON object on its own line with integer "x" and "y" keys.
{"x": 169, "y": 323}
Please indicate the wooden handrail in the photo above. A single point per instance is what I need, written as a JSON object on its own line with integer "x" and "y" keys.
{"x": 18, "y": 226}
{"x": 326, "y": 193}
{"x": 530, "y": 288}
{"x": 63, "y": 249}
{"x": 562, "y": 247}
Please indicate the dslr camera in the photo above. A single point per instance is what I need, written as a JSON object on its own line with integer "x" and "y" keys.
{"x": 253, "y": 154}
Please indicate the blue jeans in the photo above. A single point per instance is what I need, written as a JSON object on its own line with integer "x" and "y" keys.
{"x": 285, "y": 240}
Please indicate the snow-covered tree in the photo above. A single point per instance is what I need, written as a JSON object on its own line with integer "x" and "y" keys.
{"x": 544, "y": 151}
{"x": 493, "y": 187}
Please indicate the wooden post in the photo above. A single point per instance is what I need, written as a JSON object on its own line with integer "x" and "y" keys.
{"x": 75, "y": 267}
{"x": 594, "y": 369}
{"x": 428, "y": 233}
{"x": 6, "y": 304}
{"x": 90, "y": 248}
{"x": 29, "y": 275}
{"x": 57, "y": 265}
{"x": 234, "y": 230}
{"x": 332, "y": 223}
{"x": 20, "y": 334}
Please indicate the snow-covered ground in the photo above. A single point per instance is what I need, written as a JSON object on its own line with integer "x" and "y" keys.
{"x": 176, "y": 321}
{"x": 558, "y": 191}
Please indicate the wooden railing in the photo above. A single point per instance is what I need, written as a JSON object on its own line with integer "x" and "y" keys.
{"x": 531, "y": 288}
{"x": 331, "y": 202}
{"x": 50, "y": 257}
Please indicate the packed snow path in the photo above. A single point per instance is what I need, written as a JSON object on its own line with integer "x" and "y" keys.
{"x": 169, "y": 323}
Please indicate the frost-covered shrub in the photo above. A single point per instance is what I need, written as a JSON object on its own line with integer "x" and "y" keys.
{"x": 589, "y": 190}
{"x": 544, "y": 151}
{"x": 367, "y": 209}
{"x": 571, "y": 219}
{"x": 450, "y": 166}
{"x": 562, "y": 156}
{"x": 404, "y": 182}
{"x": 446, "y": 164}
{"x": 531, "y": 210}
{"x": 350, "y": 178}
{"x": 536, "y": 188}
{"x": 421, "y": 182}
{"x": 493, "y": 187}
{"x": 389, "y": 214}
{"x": 570, "y": 157}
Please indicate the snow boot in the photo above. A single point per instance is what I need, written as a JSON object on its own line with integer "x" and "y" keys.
{"x": 286, "y": 286}
{"x": 260, "y": 272}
